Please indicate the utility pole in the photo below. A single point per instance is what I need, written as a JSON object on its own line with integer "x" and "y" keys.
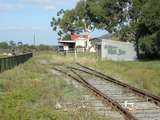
{"x": 34, "y": 39}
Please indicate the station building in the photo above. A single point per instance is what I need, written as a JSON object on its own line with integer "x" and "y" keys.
{"x": 107, "y": 48}
{"x": 80, "y": 43}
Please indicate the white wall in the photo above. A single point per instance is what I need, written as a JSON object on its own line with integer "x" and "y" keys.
{"x": 81, "y": 43}
{"x": 86, "y": 44}
{"x": 118, "y": 51}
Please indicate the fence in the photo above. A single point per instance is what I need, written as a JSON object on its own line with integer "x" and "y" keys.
{"x": 10, "y": 62}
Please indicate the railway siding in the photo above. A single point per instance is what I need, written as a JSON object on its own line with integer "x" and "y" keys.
{"x": 133, "y": 103}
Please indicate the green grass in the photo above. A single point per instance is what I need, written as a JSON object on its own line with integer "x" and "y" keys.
{"x": 30, "y": 92}
{"x": 143, "y": 75}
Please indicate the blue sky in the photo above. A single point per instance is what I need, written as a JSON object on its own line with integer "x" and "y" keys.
{"x": 19, "y": 19}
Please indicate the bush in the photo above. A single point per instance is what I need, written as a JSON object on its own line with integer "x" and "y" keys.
{"x": 150, "y": 45}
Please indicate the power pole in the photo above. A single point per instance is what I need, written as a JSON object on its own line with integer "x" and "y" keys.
{"x": 34, "y": 39}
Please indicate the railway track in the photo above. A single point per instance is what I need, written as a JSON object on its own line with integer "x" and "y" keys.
{"x": 132, "y": 103}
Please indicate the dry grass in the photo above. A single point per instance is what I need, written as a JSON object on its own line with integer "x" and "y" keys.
{"x": 144, "y": 75}
{"x": 141, "y": 74}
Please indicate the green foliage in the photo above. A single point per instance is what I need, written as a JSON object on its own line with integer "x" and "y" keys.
{"x": 127, "y": 34}
{"x": 67, "y": 37}
{"x": 135, "y": 10}
{"x": 108, "y": 14}
{"x": 45, "y": 114}
{"x": 151, "y": 15}
{"x": 64, "y": 23}
{"x": 103, "y": 14}
{"x": 72, "y": 21}
{"x": 150, "y": 45}
{"x": 4, "y": 45}
{"x": 148, "y": 29}
{"x": 144, "y": 27}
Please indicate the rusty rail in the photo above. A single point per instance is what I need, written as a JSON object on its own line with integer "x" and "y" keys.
{"x": 107, "y": 100}
{"x": 149, "y": 96}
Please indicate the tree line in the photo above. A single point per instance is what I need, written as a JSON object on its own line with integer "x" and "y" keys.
{"x": 19, "y": 47}
{"x": 135, "y": 21}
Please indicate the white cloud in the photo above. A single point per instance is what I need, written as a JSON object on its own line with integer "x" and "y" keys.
{"x": 21, "y": 4}
{"x": 10, "y": 28}
{"x": 45, "y": 4}
{"x": 50, "y": 8}
{"x": 9, "y": 7}
{"x": 18, "y": 28}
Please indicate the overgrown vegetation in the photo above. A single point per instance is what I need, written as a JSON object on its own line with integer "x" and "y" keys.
{"x": 141, "y": 74}
{"x": 31, "y": 92}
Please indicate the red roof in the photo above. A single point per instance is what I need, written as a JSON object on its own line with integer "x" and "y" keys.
{"x": 76, "y": 37}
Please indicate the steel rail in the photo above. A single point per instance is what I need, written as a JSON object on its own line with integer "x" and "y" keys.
{"x": 149, "y": 96}
{"x": 107, "y": 100}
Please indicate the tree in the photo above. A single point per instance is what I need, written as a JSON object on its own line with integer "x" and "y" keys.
{"x": 67, "y": 37}
{"x": 4, "y": 45}
{"x": 127, "y": 34}
{"x": 63, "y": 23}
{"x": 110, "y": 15}
{"x": 148, "y": 28}
{"x": 72, "y": 21}
{"x": 20, "y": 43}
{"x": 12, "y": 44}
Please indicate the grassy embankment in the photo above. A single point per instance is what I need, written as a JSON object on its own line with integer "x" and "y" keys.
{"x": 31, "y": 92}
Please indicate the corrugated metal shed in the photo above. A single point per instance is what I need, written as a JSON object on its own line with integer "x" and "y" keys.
{"x": 114, "y": 50}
